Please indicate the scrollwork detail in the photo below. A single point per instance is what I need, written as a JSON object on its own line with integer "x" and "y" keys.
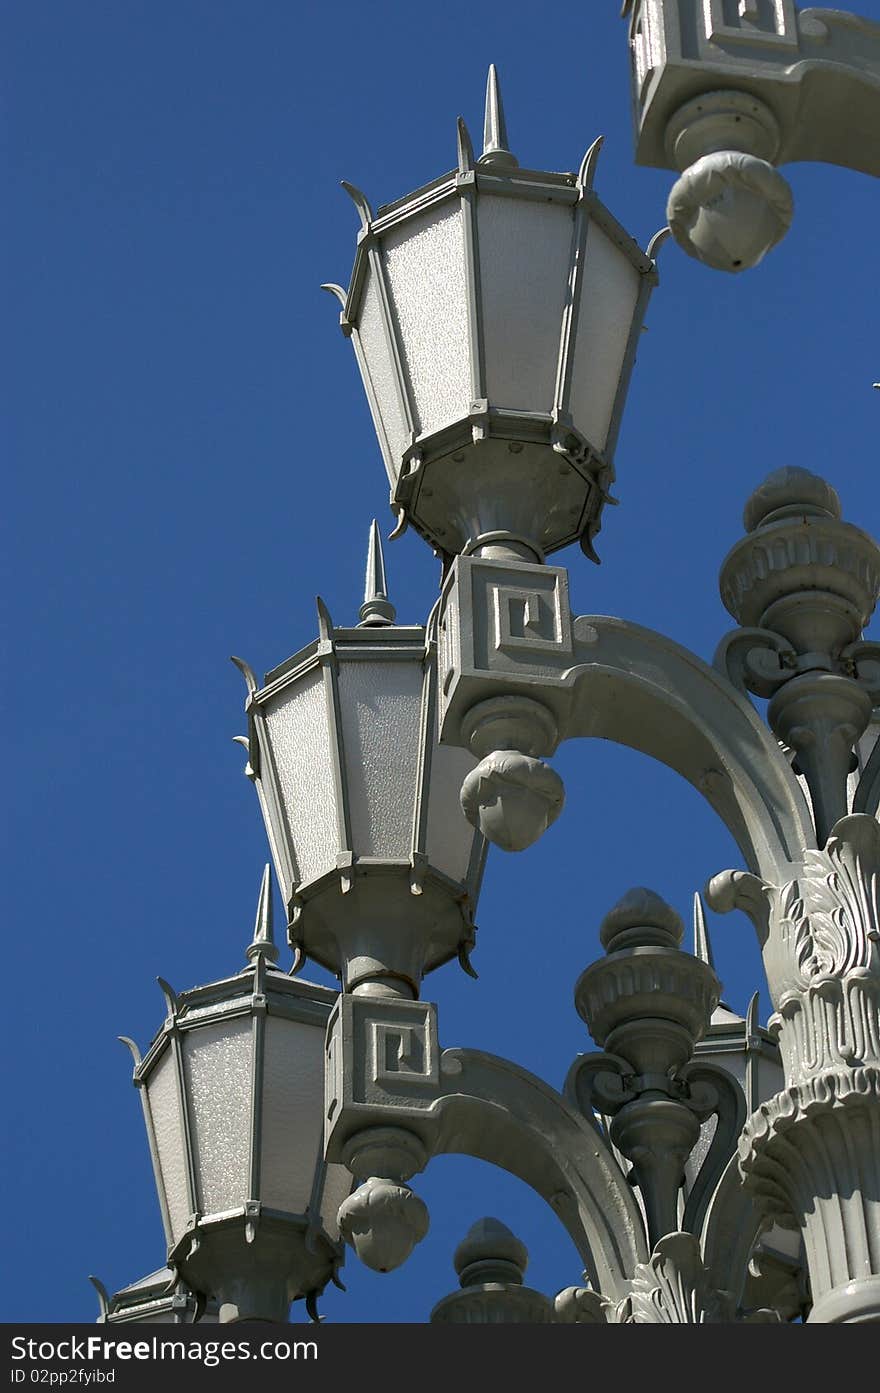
{"x": 825, "y": 921}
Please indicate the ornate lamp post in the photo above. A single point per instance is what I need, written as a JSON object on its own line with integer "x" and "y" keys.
{"x": 494, "y": 314}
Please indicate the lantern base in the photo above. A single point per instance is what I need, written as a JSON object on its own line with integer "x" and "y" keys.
{"x": 383, "y": 922}
{"x": 519, "y": 473}
{"x": 254, "y": 1267}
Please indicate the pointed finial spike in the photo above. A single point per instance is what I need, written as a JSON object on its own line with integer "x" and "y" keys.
{"x": 103, "y": 1298}
{"x": 495, "y": 149}
{"x": 130, "y": 1045}
{"x": 377, "y": 608}
{"x": 465, "y": 148}
{"x": 360, "y": 202}
{"x": 587, "y": 171}
{"x": 753, "y": 1051}
{"x": 657, "y": 241}
{"x": 247, "y": 673}
{"x": 325, "y": 622}
{"x": 263, "y": 943}
{"x": 169, "y": 994}
{"x": 337, "y": 290}
{"x": 702, "y": 942}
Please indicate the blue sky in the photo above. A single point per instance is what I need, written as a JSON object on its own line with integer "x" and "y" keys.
{"x": 192, "y": 461}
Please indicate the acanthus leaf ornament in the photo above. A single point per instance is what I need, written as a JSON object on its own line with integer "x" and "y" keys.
{"x": 824, "y": 922}
{"x": 672, "y": 1288}
{"x": 838, "y": 913}
{"x": 808, "y": 1154}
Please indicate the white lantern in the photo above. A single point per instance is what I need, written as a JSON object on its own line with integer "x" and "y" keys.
{"x": 233, "y": 1096}
{"x": 495, "y": 315}
{"x": 379, "y": 867}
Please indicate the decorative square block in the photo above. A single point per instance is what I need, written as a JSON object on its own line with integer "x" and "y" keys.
{"x": 757, "y": 22}
{"x": 382, "y": 1065}
{"x": 505, "y": 627}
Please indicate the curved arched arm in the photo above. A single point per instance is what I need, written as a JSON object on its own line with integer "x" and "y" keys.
{"x": 640, "y": 689}
{"x": 387, "y": 1078}
{"x": 506, "y": 632}
{"x": 497, "y": 1112}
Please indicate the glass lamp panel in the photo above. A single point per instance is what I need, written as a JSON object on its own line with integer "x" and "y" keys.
{"x": 165, "y": 1109}
{"x": 609, "y": 292}
{"x": 292, "y": 1113}
{"x": 381, "y": 708}
{"x": 382, "y": 370}
{"x": 525, "y": 255}
{"x": 338, "y": 1184}
{"x": 427, "y": 281}
{"x": 450, "y": 837}
{"x": 219, "y": 1067}
{"x": 700, "y": 1151}
{"x": 297, "y": 727}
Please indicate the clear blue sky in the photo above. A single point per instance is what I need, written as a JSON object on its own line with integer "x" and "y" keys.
{"x": 190, "y": 460}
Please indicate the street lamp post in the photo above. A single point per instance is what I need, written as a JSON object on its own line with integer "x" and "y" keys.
{"x": 706, "y": 1169}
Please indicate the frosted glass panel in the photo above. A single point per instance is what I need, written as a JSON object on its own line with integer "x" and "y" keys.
{"x": 293, "y": 1112}
{"x": 608, "y": 298}
{"x": 700, "y": 1152}
{"x": 382, "y": 370}
{"x": 165, "y": 1108}
{"x": 450, "y": 835}
{"x": 525, "y": 254}
{"x": 428, "y": 286}
{"x": 338, "y": 1184}
{"x": 300, "y": 741}
{"x": 217, "y": 1061}
{"x": 381, "y": 706}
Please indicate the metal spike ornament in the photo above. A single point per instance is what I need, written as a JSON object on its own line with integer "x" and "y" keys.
{"x": 495, "y": 144}
{"x": 702, "y": 942}
{"x": 263, "y": 943}
{"x": 377, "y": 608}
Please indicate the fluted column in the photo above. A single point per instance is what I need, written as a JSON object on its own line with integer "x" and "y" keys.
{"x": 804, "y": 583}
{"x": 811, "y": 1154}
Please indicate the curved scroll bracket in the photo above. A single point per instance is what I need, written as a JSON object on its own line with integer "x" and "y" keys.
{"x": 725, "y": 1099}
{"x": 599, "y": 1083}
{"x": 755, "y": 660}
